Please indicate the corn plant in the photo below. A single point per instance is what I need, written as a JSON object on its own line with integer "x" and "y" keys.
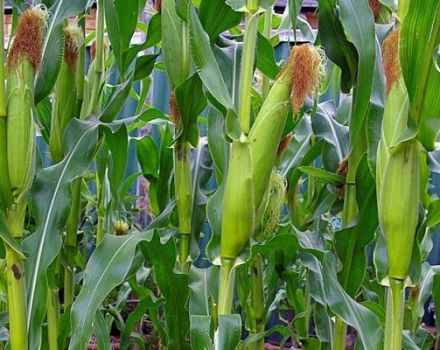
{"x": 294, "y": 186}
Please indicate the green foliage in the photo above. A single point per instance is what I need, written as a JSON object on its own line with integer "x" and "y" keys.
{"x": 204, "y": 179}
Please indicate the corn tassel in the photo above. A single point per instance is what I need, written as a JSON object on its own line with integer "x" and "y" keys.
{"x": 65, "y": 103}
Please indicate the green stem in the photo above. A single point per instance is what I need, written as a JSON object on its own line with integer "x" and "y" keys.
{"x": 71, "y": 242}
{"x": 253, "y": 5}
{"x": 184, "y": 243}
{"x": 340, "y": 335}
{"x": 226, "y": 287}
{"x": 183, "y": 193}
{"x": 16, "y": 286}
{"x": 99, "y": 61}
{"x": 247, "y": 72}
{"x": 100, "y": 230}
{"x": 52, "y": 318}
{"x": 267, "y": 32}
{"x": 100, "y": 211}
{"x": 257, "y": 316}
{"x": 394, "y": 315}
{"x": 16, "y": 301}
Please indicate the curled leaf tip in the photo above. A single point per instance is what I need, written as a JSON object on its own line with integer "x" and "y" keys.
{"x": 307, "y": 69}
{"x": 73, "y": 40}
{"x": 27, "y": 43}
{"x": 390, "y": 57}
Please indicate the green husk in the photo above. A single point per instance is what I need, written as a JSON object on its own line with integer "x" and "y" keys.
{"x": 238, "y": 218}
{"x": 398, "y": 177}
{"x": 65, "y": 101}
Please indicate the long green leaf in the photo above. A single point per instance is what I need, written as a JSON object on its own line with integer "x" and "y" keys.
{"x": 51, "y": 204}
{"x": 351, "y": 242}
{"x": 419, "y": 58}
{"x": 107, "y": 268}
{"x": 358, "y": 22}
{"x": 6, "y": 236}
{"x": 173, "y": 43}
{"x": 336, "y": 46}
{"x": 216, "y": 17}
{"x": 200, "y": 330}
{"x": 228, "y": 332}
{"x": 173, "y": 287}
{"x": 205, "y": 62}
{"x": 121, "y": 18}
{"x": 326, "y": 290}
{"x": 203, "y": 283}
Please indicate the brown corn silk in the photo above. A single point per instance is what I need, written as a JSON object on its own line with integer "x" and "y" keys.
{"x": 27, "y": 42}
{"x": 306, "y": 70}
{"x": 390, "y": 58}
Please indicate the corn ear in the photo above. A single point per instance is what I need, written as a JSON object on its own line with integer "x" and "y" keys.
{"x": 238, "y": 205}
{"x": 23, "y": 59}
{"x": 65, "y": 100}
{"x": 398, "y": 206}
{"x": 266, "y": 133}
{"x": 20, "y": 127}
{"x": 398, "y": 178}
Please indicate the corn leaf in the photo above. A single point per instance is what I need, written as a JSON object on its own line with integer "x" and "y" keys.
{"x": 266, "y": 58}
{"x": 51, "y": 204}
{"x": 336, "y": 46}
{"x": 205, "y": 62}
{"x": 172, "y": 43}
{"x": 6, "y": 236}
{"x": 360, "y": 31}
{"x": 121, "y": 19}
{"x": 240, "y": 5}
{"x": 191, "y": 102}
{"x": 107, "y": 268}
{"x": 200, "y": 330}
{"x": 102, "y": 332}
{"x": 326, "y": 290}
{"x": 324, "y": 175}
{"x": 419, "y": 58}
{"x": 216, "y": 17}
{"x": 201, "y": 174}
{"x": 351, "y": 242}
{"x": 203, "y": 284}
{"x": 228, "y": 333}
{"x": 163, "y": 256}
